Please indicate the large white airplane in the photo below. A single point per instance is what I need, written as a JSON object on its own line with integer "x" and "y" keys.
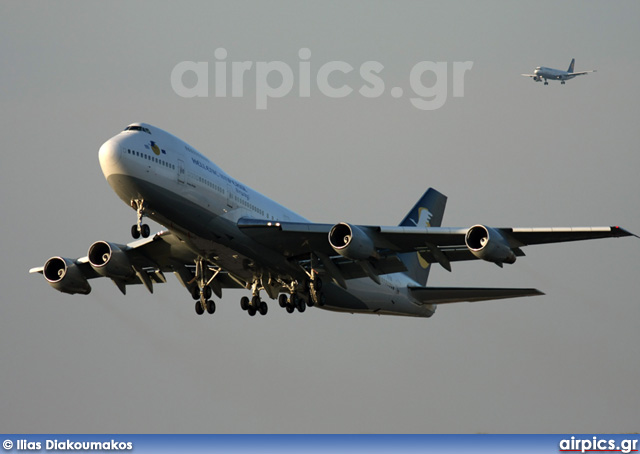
{"x": 222, "y": 234}
{"x": 542, "y": 72}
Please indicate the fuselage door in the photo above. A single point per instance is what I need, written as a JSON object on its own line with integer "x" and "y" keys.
{"x": 181, "y": 171}
{"x": 230, "y": 203}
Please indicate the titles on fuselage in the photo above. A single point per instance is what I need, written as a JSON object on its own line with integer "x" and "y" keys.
{"x": 220, "y": 175}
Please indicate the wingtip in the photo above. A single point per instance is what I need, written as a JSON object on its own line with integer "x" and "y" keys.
{"x": 620, "y": 232}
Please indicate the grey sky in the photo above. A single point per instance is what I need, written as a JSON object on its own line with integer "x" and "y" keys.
{"x": 508, "y": 153}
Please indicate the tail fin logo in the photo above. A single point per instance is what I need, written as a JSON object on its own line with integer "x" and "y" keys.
{"x": 424, "y": 218}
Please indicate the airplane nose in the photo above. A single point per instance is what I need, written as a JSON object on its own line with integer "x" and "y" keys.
{"x": 109, "y": 157}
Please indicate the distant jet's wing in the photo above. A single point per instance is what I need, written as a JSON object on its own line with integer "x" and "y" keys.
{"x": 581, "y": 73}
{"x": 435, "y": 244}
{"x": 446, "y": 295}
{"x": 528, "y": 75}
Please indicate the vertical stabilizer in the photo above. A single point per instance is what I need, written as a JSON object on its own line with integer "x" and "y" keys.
{"x": 428, "y": 212}
{"x": 573, "y": 62}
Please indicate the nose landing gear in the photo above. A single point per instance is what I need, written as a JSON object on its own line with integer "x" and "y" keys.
{"x": 139, "y": 228}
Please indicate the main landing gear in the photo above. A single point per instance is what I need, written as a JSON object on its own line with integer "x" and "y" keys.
{"x": 139, "y": 228}
{"x": 202, "y": 293}
{"x": 299, "y": 297}
{"x": 312, "y": 297}
{"x": 293, "y": 302}
{"x": 255, "y": 304}
{"x": 316, "y": 296}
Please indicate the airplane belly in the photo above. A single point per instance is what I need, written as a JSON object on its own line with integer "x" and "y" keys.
{"x": 187, "y": 214}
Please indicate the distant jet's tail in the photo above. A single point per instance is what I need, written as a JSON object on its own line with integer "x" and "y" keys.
{"x": 573, "y": 62}
{"x": 428, "y": 212}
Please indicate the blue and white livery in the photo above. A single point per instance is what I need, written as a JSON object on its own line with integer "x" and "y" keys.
{"x": 222, "y": 234}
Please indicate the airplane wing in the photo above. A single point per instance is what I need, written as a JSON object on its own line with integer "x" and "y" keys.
{"x": 446, "y": 295}
{"x": 582, "y": 73}
{"x": 528, "y": 75}
{"x": 435, "y": 244}
{"x": 140, "y": 262}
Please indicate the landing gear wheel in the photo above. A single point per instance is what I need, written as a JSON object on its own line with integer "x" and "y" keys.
{"x": 263, "y": 308}
{"x": 244, "y": 303}
{"x": 282, "y": 300}
{"x": 290, "y": 309}
{"x": 211, "y": 307}
{"x": 251, "y": 311}
{"x": 135, "y": 233}
{"x": 255, "y": 302}
{"x": 301, "y": 306}
{"x": 199, "y": 309}
{"x": 146, "y": 231}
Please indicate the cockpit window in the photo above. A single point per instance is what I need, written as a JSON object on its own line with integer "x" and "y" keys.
{"x": 137, "y": 128}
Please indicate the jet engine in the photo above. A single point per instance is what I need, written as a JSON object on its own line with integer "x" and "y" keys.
{"x": 108, "y": 259}
{"x": 537, "y": 78}
{"x": 351, "y": 242}
{"x": 488, "y": 244}
{"x": 65, "y": 276}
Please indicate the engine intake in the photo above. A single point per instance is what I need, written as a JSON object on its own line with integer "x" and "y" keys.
{"x": 65, "y": 276}
{"x": 488, "y": 244}
{"x": 109, "y": 260}
{"x": 351, "y": 242}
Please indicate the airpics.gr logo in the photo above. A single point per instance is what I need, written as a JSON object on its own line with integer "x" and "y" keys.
{"x": 424, "y": 220}
{"x": 155, "y": 148}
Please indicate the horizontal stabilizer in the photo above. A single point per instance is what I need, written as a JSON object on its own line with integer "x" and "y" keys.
{"x": 445, "y": 295}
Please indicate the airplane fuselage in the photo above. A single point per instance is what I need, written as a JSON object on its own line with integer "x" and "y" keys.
{"x": 201, "y": 204}
{"x": 221, "y": 234}
{"x": 543, "y": 72}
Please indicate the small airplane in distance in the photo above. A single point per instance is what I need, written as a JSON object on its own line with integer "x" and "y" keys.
{"x": 222, "y": 234}
{"x": 542, "y": 72}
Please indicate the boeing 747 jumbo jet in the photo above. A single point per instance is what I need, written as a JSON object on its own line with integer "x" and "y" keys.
{"x": 221, "y": 234}
{"x": 542, "y": 72}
